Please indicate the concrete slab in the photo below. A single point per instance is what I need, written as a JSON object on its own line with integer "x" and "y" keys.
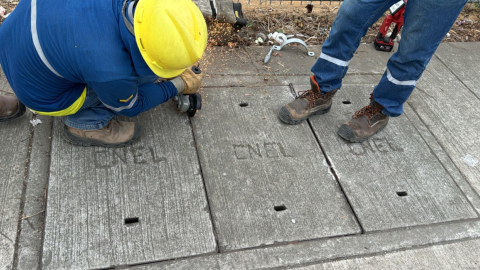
{"x": 368, "y": 61}
{"x": 315, "y": 252}
{"x": 462, "y": 255}
{"x": 392, "y": 180}
{"x": 362, "y": 79}
{"x": 111, "y": 207}
{"x": 216, "y": 81}
{"x": 450, "y": 108}
{"x": 301, "y": 83}
{"x": 462, "y": 59}
{"x": 266, "y": 182}
{"x": 212, "y": 80}
{"x": 224, "y": 67}
{"x": 442, "y": 155}
{"x": 33, "y": 212}
{"x": 293, "y": 60}
{"x": 14, "y": 153}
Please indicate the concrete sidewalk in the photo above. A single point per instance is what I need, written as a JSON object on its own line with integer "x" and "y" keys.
{"x": 234, "y": 188}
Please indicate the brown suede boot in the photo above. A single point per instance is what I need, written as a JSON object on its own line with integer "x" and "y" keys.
{"x": 10, "y": 108}
{"x": 308, "y": 103}
{"x": 365, "y": 123}
{"x": 115, "y": 134}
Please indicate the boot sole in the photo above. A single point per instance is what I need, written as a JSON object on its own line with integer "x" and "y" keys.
{"x": 286, "y": 117}
{"x": 346, "y": 132}
{"x": 89, "y": 142}
{"x": 21, "y": 110}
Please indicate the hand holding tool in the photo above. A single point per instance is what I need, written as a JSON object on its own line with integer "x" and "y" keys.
{"x": 189, "y": 100}
{"x": 192, "y": 78}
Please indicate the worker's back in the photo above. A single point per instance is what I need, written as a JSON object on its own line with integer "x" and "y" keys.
{"x": 59, "y": 46}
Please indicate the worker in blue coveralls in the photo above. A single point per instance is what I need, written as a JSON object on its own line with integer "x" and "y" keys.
{"x": 91, "y": 60}
{"x": 426, "y": 22}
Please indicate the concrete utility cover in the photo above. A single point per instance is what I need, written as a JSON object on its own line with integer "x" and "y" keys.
{"x": 367, "y": 60}
{"x": 452, "y": 107}
{"x": 13, "y": 159}
{"x": 462, "y": 59}
{"x": 267, "y": 182}
{"x": 392, "y": 180}
{"x": 142, "y": 203}
{"x": 460, "y": 255}
{"x": 293, "y": 60}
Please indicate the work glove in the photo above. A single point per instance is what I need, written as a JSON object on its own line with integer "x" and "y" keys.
{"x": 191, "y": 80}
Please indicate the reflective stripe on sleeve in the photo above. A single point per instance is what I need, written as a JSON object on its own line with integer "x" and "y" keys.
{"x": 334, "y": 60}
{"x": 130, "y": 11}
{"x": 130, "y": 105}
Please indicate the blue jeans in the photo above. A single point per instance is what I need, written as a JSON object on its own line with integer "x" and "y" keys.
{"x": 93, "y": 114}
{"x": 426, "y": 22}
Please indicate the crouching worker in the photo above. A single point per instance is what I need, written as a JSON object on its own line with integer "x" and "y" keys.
{"x": 92, "y": 60}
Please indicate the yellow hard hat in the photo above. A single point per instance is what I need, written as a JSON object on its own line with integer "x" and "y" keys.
{"x": 171, "y": 35}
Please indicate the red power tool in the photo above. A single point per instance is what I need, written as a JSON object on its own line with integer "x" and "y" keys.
{"x": 382, "y": 41}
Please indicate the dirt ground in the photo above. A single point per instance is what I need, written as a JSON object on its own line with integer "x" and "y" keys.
{"x": 293, "y": 19}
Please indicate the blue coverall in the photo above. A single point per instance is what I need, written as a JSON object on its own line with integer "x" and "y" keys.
{"x": 60, "y": 55}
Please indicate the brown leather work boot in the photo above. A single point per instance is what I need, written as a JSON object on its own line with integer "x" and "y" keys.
{"x": 308, "y": 103}
{"x": 365, "y": 123}
{"x": 115, "y": 134}
{"x": 10, "y": 108}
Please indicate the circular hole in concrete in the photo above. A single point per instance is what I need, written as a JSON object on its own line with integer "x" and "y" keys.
{"x": 279, "y": 208}
{"x": 346, "y": 102}
{"x": 402, "y": 193}
{"x": 243, "y": 104}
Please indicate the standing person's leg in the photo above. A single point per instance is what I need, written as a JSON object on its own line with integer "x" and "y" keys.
{"x": 426, "y": 23}
{"x": 353, "y": 20}
{"x": 93, "y": 125}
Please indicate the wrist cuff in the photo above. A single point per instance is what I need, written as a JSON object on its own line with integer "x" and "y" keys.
{"x": 179, "y": 84}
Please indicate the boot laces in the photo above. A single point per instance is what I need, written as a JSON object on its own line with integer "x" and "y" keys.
{"x": 369, "y": 111}
{"x": 311, "y": 96}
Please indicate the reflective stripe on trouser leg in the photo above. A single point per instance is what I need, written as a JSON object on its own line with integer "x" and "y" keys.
{"x": 426, "y": 24}
{"x": 334, "y": 60}
{"x": 392, "y": 93}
